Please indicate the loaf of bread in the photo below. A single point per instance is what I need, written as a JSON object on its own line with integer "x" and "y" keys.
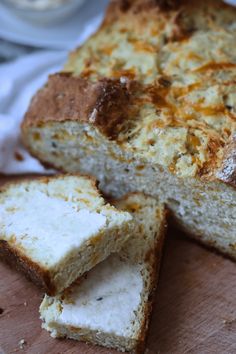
{"x": 148, "y": 103}
{"x": 112, "y": 305}
{"x": 58, "y": 228}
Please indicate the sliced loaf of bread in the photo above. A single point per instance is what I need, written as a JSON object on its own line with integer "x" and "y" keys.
{"x": 58, "y": 228}
{"x": 111, "y": 306}
{"x": 148, "y": 104}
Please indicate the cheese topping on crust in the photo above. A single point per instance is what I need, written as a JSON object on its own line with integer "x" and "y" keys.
{"x": 183, "y": 113}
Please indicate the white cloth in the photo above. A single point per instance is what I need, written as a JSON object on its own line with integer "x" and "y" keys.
{"x": 19, "y": 80}
{"x": 231, "y": 2}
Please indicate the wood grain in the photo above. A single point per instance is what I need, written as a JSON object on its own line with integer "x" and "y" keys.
{"x": 195, "y": 310}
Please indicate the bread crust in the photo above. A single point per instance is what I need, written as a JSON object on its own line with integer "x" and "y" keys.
{"x": 155, "y": 255}
{"x": 156, "y": 258}
{"x": 45, "y": 179}
{"x": 67, "y": 97}
{"x": 39, "y": 275}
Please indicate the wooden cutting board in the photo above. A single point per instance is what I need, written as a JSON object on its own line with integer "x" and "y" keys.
{"x": 195, "y": 310}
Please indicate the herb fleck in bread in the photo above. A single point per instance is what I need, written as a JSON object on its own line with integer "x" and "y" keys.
{"x": 112, "y": 305}
{"x": 58, "y": 228}
{"x": 148, "y": 103}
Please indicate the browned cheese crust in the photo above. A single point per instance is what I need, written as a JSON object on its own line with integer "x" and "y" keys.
{"x": 73, "y": 98}
{"x": 159, "y": 78}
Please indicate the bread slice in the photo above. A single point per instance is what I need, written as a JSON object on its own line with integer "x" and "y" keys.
{"x": 111, "y": 306}
{"x": 58, "y": 228}
{"x": 148, "y": 104}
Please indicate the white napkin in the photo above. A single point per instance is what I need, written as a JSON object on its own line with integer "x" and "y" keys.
{"x": 19, "y": 80}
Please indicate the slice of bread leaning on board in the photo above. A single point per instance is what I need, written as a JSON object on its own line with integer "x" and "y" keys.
{"x": 112, "y": 305}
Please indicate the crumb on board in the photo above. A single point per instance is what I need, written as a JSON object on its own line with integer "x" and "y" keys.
{"x": 228, "y": 321}
{"x": 22, "y": 343}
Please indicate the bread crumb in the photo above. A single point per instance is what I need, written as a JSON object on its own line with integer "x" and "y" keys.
{"x": 228, "y": 321}
{"x": 22, "y": 343}
{"x": 25, "y": 303}
{"x": 123, "y": 80}
{"x": 93, "y": 116}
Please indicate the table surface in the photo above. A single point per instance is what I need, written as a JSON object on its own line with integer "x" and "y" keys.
{"x": 194, "y": 312}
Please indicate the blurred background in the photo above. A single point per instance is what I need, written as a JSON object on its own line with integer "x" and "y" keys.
{"x": 28, "y": 25}
{"x": 35, "y": 37}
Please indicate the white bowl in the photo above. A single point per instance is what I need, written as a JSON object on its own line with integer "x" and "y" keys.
{"x": 44, "y": 12}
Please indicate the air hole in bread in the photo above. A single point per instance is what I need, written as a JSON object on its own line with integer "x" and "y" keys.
{"x": 99, "y": 298}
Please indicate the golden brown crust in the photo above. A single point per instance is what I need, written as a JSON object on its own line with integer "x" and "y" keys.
{"x": 46, "y": 179}
{"x": 66, "y": 97}
{"x": 155, "y": 266}
{"x": 183, "y": 117}
{"x": 117, "y": 7}
{"x": 39, "y": 275}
